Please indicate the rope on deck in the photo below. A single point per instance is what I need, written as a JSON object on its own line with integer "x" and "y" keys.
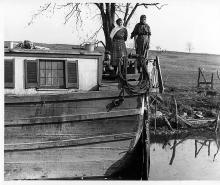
{"x": 142, "y": 87}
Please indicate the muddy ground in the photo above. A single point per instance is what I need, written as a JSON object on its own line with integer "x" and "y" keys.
{"x": 192, "y": 104}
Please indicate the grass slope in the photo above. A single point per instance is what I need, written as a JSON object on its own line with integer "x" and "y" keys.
{"x": 181, "y": 69}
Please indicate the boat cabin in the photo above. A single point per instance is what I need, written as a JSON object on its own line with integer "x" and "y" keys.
{"x": 36, "y": 71}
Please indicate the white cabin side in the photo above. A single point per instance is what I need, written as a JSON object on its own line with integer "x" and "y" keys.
{"x": 87, "y": 68}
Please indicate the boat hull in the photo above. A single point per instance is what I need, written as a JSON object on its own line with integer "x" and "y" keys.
{"x": 84, "y": 142}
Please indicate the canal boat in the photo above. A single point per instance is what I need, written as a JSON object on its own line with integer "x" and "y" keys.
{"x": 62, "y": 121}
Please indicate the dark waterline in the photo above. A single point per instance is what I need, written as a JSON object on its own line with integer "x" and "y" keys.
{"x": 188, "y": 158}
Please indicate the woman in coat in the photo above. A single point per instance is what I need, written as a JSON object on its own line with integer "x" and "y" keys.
{"x": 118, "y": 35}
{"x": 141, "y": 34}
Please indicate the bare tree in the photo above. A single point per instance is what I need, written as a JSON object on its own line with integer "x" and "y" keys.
{"x": 189, "y": 47}
{"x": 106, "y": 11}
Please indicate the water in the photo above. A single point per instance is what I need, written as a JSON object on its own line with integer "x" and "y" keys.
{"x": 191, "y": 159}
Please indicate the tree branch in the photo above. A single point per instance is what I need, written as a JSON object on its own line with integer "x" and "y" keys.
{"x": 64, "y": 5}
{"x": 160, "y": 7}
{"x": 131, "y": 14}
{"x": 98, "y": 5}
{"x": 126, "y": 11}
{"x": 141, "y": 4}
{"x": 39, "y": 12}
{"x": 96, "y": 33}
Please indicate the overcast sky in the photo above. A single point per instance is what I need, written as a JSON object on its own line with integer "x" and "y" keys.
{"x": 180, "y": 22}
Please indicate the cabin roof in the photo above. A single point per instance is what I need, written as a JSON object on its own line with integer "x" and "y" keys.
{"x": 53, "y": 49}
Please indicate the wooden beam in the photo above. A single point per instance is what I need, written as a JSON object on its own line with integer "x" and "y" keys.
{"x": 47, "y": 52}
{"x": 68, "y": 118}
{"x": 13, "y": 99}
{"x": 66, "y": 143}
{"x": 205, "y": 83}
{"x": 63, "y": 96}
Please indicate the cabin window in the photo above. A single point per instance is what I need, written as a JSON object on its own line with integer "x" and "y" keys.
{"x": 46, "y": 73}
{"x": 52, "y": 73}
{"x": 9, "y": 73}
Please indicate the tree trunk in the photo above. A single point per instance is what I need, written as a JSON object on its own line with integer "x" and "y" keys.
{"x": 108, "y": 18}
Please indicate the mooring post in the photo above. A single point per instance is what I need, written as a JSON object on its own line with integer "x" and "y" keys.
{"x": 146, "y": 143}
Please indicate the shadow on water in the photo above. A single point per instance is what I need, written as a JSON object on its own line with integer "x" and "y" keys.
{"x": 192, "y": 156}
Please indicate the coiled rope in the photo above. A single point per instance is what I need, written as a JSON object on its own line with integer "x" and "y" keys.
{"x": 143, "y": 85}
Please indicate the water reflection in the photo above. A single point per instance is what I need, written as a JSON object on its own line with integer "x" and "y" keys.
{"x": 185, "y": 158}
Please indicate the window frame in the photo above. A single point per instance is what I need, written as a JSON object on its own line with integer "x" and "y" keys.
{"x": 65, "y": 75}
{"x": 8, "y": 85}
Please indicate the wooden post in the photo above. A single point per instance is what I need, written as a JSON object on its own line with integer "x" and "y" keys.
{"x": 212, "y": 85}
{"x": 198, "y": 78}
{"x": 175, "y": 110}
{"x": 160, "y": 79}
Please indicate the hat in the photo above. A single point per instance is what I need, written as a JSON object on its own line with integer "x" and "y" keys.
{"x": 143, "y": 16}
{"x": 118, "y": 20}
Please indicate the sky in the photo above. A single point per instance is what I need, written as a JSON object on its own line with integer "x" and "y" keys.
{"x": 176, "y": 24}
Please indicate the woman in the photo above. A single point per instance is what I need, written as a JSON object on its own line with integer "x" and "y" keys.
{"x": 118, "y": 35}
{"x": 142, "y": 34}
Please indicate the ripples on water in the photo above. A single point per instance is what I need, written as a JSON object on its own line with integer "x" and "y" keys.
{"x": 185, "y": 159}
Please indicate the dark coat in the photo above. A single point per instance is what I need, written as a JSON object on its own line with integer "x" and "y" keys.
{"x": 143, "y": 33}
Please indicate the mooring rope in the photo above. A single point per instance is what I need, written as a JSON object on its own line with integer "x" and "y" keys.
{"x": 143, "y": 85}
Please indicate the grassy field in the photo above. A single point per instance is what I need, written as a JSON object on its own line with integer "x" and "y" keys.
{"x": 181, "y": 69}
